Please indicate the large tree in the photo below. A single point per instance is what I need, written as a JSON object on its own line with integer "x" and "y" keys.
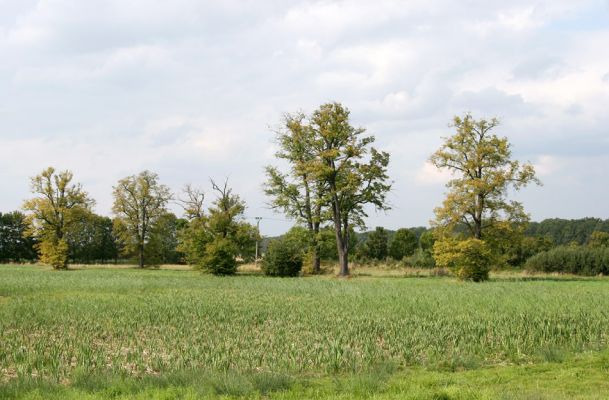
{"x": 139, "y": 201}
{"x": 57, "y": 209}
{"x": 483, "y": 171}
{"x": 297, "y": 193}
{"x": 353, "y": 173}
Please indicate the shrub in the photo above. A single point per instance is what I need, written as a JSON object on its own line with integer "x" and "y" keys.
{"x": 468, "y": 259}
{"x": 576, "y": 260}
{"x": 54, "y": 253}
{"x": 283, "y": 258}
{"x": 220, "y": 257}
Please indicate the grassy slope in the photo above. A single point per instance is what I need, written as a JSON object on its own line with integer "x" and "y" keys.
{"x": 173, "y": 334}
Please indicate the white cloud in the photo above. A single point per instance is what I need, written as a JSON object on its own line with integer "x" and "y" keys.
{"x": 428, "y": 174}
{"x": 190, "y": 88}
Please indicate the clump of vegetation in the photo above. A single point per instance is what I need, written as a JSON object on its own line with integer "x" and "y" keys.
{"x": 579, "y": 260}
{"x": 403, "y": 244}
{"x": 213, "y": 241}
{"x": 469, "y": 259}
{"x": 283, "y": 258}
{"x": 420, "y": 259}
{"x": 220, "y": 257}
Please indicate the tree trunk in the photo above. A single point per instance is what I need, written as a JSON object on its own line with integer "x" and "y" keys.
{"x": 141, "y": 255}
{"x": 343, "y": 256}
{"x": 316, "y": 261}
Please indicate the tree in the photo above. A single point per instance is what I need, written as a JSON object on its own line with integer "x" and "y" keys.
{"x": 192, "y": 202}
{"x": 483, "y": 171}
{"x": 163, "y": 244}
{"x": 403, "y": 244}
{"x": 92, "y": 240}
{"x": 15, "y": 245}
{"x": 298, "y": 194}
{"x": 598, "y": 239}
{"x": 139, "y": 201}
{"x": 221, "y": 232}
{"x": 426, "y": 241}
{"x": 375, "y": 247}
{"x": 60, "y": 205}
{"x": 353, "y": 173}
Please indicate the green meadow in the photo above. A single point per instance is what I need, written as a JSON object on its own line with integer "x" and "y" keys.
{"x": 131, "y": 333}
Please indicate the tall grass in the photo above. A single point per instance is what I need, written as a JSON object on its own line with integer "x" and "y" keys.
{"x": 59, "y": 326}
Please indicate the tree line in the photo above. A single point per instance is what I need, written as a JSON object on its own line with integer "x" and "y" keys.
{"x": 332, "y": 176}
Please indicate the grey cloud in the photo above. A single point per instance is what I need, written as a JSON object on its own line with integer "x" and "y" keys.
{"x": 190, "y": 88}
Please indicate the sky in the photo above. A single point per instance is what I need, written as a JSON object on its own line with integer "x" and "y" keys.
{"x": 194, "y": 89}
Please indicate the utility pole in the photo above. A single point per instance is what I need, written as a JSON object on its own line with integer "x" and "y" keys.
{"x": 258, "y": 233}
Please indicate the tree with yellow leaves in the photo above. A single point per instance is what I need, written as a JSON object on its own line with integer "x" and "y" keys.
{"x": 59, "y": 206}
{"x": 476, "y": 205}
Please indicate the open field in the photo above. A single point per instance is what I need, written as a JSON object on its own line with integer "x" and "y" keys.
{"x": 123, "y": 333}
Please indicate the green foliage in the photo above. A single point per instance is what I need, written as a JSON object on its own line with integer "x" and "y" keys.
{"x": 469, "y": 259}
{"x": 56, "y": 211}
{"x": 353, "y": 173}
{"x": 420, "y": 259}
{"x": 192, "y": 240}
{"x": 484, "y": 172}
{"x": 564, "y": 231}
{"x": 92, "y": 240}
{"x": 598, "y": 239}
{"x": 427, "y": 240}
{"x": 375, "y": 246}
{"x": 15, "y": 245}
{"x": 403, "y": 244}
{"x": 327, "y": 243}
{"x": 298, "y": 193}
{"x": 577, "y": 260}
{"x": 283, "y": 257}
{"x": 222, "y": 225}
{"x": 139, "y": 202}
{"x": 528, "y": 246}
{"x": 162, "y": 247}
{"x": 220, "y": 257}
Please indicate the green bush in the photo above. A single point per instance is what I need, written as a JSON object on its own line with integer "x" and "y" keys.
{"x": 576, "y": 260}
{"x": 220, "y": 257}
{"x": 468, "y": 259}
{"x": 283, "y": 258}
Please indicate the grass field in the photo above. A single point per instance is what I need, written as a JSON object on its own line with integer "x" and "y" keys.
{"x": 128, "y": 333}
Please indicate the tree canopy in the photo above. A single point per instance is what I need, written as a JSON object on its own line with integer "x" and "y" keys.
{"x": 139, "y": 202}
{"x": 58, "y": 207}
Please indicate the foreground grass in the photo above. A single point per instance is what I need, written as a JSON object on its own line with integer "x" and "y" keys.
{"x": 170, "y": 333}
{"x": 582, "y": 377}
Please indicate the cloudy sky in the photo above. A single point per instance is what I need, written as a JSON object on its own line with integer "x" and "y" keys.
{"x": 193, "y": 89}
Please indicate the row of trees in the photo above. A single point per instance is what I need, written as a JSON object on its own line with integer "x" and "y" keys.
{"x": 61, "y": 226}
{"x": 334, "y": 173}
{"x": 330, "y": 176}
